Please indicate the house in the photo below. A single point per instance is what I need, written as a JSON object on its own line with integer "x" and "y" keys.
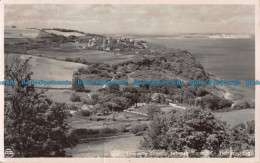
{"x": 132, "y": 40}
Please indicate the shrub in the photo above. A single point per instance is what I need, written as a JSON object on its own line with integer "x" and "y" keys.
{"x": 242, "y": 105}
{"x": 224, "y": 103}
{"x": 75, "y": 98}
{"x": 83, "y": 61}
{"x": 123, "y": 128}
{"x": 75, "y": 86}
{"x": 83, "y": 70}
{"x": 108, "y": 131}
{"x": 88, "y": 101}
{"x": 201, "y": 92}
{"x": 96, "y": 119}
{"x": 200, "y": 127}
{"x": 84, "y": 132}
{"x": 139, "y": 128}
{"x": 72, "y": 107}
{"x": 153, "y": 110}
{"x": 85, "y": 113}
{"x": 76, "y": 59}
{"x": 68, "y": 59}
{"x": 242, "y": 136}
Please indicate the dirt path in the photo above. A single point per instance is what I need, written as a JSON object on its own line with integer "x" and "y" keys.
{"x": 134, "y": 112}
{"x": 104, "y": 86}
{"x": 175, "y": 105}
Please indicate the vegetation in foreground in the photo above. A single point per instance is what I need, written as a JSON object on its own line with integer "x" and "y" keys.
{"x": 34, "y": 125}
{"x": 197, "y": 130}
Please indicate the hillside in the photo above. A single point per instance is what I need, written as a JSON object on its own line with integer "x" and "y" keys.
{"x": 125, "y": 59}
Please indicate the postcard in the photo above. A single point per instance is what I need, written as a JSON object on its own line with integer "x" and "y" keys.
{"x": 130, "y": 81}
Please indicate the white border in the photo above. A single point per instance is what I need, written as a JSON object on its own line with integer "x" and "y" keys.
{"x": 136, "y": 160}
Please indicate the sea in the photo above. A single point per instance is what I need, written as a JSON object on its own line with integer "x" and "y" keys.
{"x": 228, "y": 59}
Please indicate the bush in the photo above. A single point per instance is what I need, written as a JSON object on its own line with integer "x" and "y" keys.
{"x": 193, "y": 129}
{"x": 96, "y": 119}
{"x": 76, "y": 59}
{"x": 224, "y": 104}
{"x": 153, "y": 110}
{"x": 83, "y": 61}
{"x": 108, "y": 131}
{"x": 72, "y": 107}
{"x": 88, "y": 101}
{"x": 85, "y": 113}
{"x": 242, "y": 136}
{"x": 201, "y": 92}
{"x": 242, "y": 105}
{"x": 75, "y": 98}
{"x": 84, "y": 132}
{"x": 68, "y": 59}
{"x": 139, "y": 128}
{"x": 83, "y": 70}
{"x": 123, "y": 128}
{"x": 75, "y": 86}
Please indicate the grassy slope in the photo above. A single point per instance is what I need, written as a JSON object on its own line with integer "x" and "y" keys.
{"x": 92, "y": 56}
{"x": 20, "y": 33}
{"x": 50, "y": 69}
{"x": 238, "y": 116}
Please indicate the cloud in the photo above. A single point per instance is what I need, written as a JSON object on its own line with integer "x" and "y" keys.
{"x": 141, "y": 19}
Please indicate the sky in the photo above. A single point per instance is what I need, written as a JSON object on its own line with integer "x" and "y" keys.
{"x": 134, "y": 19}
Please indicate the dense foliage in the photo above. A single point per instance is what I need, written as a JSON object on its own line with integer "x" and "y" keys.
{"x": 197, "y": 130}
{"x": 34, "y": 125}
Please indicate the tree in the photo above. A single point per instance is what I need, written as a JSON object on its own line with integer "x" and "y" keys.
{"x": 242, "y": 105}
{"x": 17, "y": 70}
{"x": 201, "y": 92}
{"x": 113, "y": 89}
{"x": 153, "y": 110}
{"x": 242, "y": 136}
{"x": 75, "y": 86}
{"x": 132, "y": 94}
{"x": 132, "y": 97}
{"x": 194, "y": 129}
{"x": 94, "y": 98}
{"x": 75, "y": 98}
{"x": 122, "y": 102}
{"x": 34, "y": 125}
{"x": 223, "y": 103}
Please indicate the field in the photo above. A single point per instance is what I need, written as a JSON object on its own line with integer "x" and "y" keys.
{"x": 66, "y": 34}
{"x": 91, "y": 56}
{"x": 99, "y": 122}
{"x": 14, "y": 41}
{"x": 100, "y": 146}
{"x": 143, "y": 108}
{"x": 50, "y": 69}
{"x": 63, "y": 95}
{"x": 168, "y": 108}
{"x": 234, "y": 117}
{"x": 20, "y": 33}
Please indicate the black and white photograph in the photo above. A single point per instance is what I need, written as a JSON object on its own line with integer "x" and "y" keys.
{"x": 129, "y": 81}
